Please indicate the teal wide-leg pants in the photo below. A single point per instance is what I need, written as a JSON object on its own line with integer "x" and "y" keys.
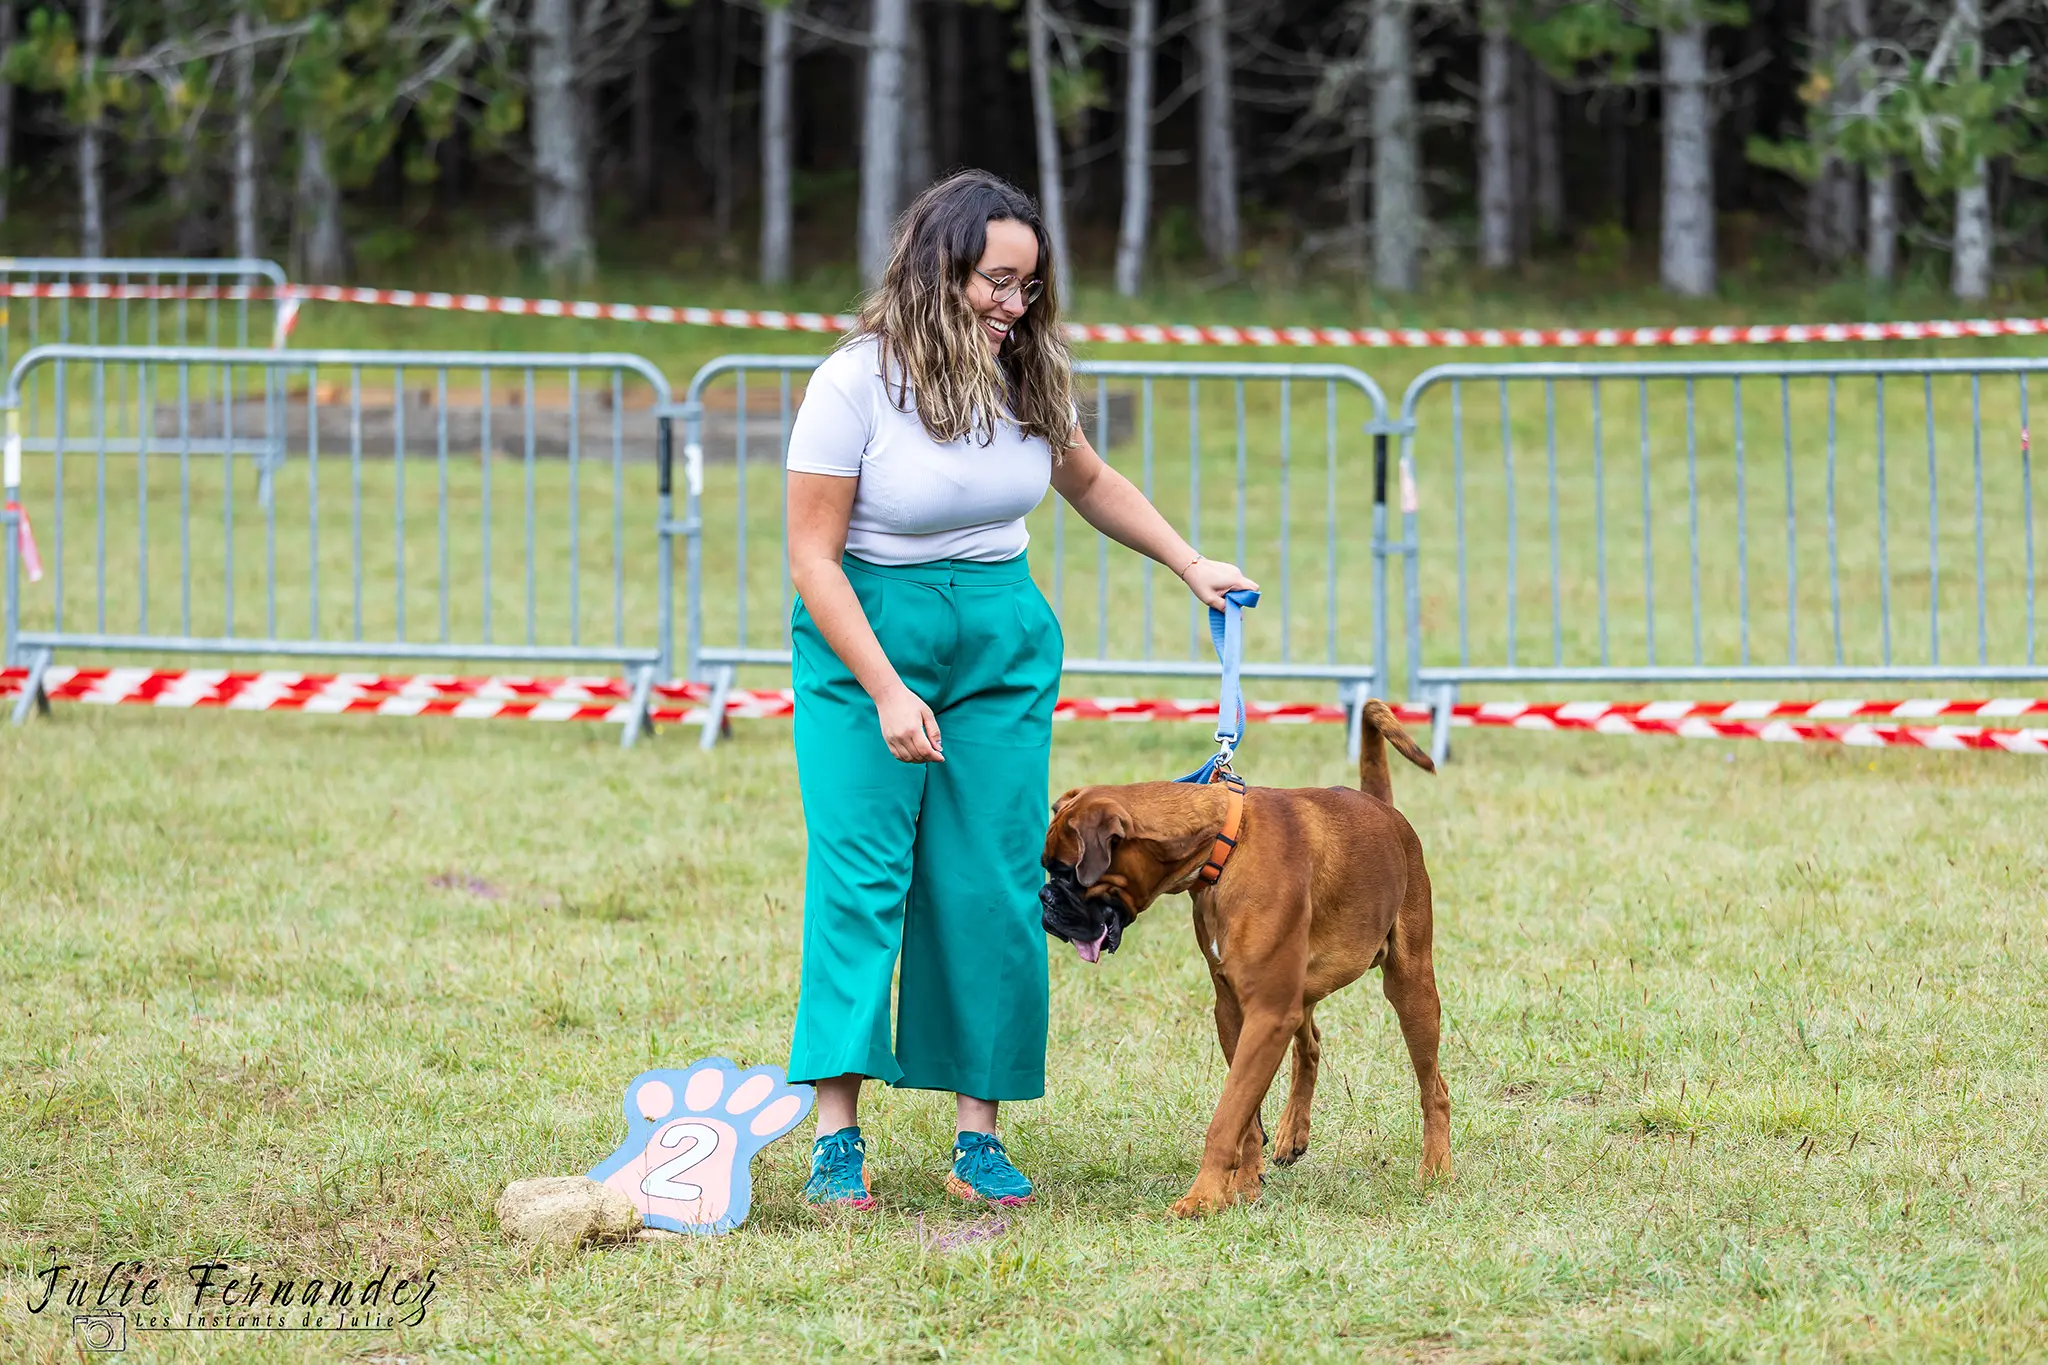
{"x": 934, "y": 862}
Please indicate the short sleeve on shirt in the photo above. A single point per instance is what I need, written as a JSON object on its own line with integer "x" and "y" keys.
{"x": 837, "y": 418}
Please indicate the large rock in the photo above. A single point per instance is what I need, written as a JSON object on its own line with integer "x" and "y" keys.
{"x": 565, "y": 1211}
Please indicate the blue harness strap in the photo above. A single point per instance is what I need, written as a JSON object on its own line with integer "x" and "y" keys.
{"x": 1226, "y": 632}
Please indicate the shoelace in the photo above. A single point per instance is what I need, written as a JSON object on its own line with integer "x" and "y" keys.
{"x": 984, "y": 1155}
{"x": 839, "y": 1150}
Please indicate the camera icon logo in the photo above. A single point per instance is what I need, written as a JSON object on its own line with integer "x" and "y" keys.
{"x": 101, "y": 1331}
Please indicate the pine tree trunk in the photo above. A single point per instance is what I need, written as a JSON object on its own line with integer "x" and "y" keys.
{"x": 1216, "y": 138}
{"x": 1397, "y": 208}
{"x": 92, "y": 231}
{"x": 881, "y": 162}
{"x": 918, "y": 157}
{"x": 1834, "y": 213}
{"x": 323, "y": 247}
{"x": 1547, "y": 157}
{"x": 561, "y": 163}
{"x": 1130, "y": 242}
{"x": 1496, "y": 142}
{"x": 244, "y": 189}
{"x": 1881, "y": 246}
{"x": 777, "y": 134}
{"x": 6, "y": 106}
{"x": 1970, "y": 265}
{"x": 1970, "y": 261}
{"x": 1052, "y": 198}
{"x": 1686, "y": 255}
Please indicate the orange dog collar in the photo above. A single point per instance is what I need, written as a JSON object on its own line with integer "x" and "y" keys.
{"x": 1233, "y": 821}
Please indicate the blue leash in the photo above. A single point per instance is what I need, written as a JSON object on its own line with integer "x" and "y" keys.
{"x": 1226, "y": 632}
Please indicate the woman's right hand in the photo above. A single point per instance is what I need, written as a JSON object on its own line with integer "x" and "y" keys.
{"x": 909, "y": 727}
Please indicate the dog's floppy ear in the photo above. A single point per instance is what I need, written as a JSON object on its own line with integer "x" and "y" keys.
{"x": 1068, "y": 795}
{"x": 1100, "y": 828}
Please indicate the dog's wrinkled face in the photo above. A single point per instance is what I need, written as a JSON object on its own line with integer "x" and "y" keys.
{"x": 1079, "y": 905}
{"x": 1094, "y": 927}
{"x": 1101, "y": 871}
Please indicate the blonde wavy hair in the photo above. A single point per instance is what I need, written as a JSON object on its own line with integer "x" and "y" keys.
{"x": 931, "y": 340}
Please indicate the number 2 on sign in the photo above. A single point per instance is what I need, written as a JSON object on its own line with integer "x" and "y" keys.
{"x": 690, "y": 1135}
{"x": 661, "y": 1182}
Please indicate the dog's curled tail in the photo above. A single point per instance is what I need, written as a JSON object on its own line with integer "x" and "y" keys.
{"x": 1379, "y": 729}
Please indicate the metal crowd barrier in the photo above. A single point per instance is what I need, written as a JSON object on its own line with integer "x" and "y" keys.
{"x": 43, "y": 307}
{"x": 1734, "y": 522}
{"x": 34, "y": 320}
{"x": 1559, "y": 525}
{"x": 1283, "y": 467}
{"x": 423, "y": 506}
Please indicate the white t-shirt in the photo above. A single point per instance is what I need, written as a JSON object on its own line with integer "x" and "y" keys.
{"x": 918, "y": 500}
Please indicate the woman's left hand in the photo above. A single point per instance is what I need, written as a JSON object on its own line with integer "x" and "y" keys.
{"x": 1209, "y": 579}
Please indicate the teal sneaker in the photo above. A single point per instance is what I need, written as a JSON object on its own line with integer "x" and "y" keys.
{"x": 982, "y": 1172}
{"x": 838, "y": 1174}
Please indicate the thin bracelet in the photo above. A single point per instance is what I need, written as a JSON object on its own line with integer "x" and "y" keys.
{"x": 1191, "y": 564}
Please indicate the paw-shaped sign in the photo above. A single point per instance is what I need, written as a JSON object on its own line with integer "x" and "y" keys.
{"x": 691, "y": 1136}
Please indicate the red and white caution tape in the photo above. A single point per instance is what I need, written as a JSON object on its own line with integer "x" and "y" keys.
{"x": 1874, "y": 734}
{"x": 1771, "y": 721}
{"x": 586, "y": 699}
{"x": 1839, "y": 721}
{"x": 1418, "y": 338}
{"x": 290, "y": 297}
{"x": 1590, "y": 714}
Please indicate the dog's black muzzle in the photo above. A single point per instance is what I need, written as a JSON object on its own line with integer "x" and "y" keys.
{"x": 1069, "y": 915}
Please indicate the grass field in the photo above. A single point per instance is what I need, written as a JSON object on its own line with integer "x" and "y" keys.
{"x": 1744, "y": 1046}
{"x": 1743, "y": 1041}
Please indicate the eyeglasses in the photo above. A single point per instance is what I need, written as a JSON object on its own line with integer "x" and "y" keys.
{"x": 1007, "y": 285}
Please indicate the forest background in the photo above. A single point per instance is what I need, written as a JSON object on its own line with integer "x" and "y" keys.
{"x": 1203, "y": 146}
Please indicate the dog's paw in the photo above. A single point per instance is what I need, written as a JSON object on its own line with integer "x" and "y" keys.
{"x": 1201, "y": 1201}
{"x": 1291, "y": 1143}
{"x": 1245, "y": 1182}
{"x": 691, "y": 1136}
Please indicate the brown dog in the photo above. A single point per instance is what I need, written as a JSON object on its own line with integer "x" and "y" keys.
{"x": 1322, "y": 885}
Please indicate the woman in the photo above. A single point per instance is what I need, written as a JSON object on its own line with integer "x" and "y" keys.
{"x": 926, "y": 667}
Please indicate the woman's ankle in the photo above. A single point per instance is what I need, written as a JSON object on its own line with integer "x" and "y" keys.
{"x": 838, "y": 1104}
{"x": 971, "y": 1115}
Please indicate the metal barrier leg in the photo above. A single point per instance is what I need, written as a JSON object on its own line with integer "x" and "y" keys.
{"x": 32, "y": 694}
{"x": 637, "y": 722}
{"x": 1352, "y": 696}
{"x": 714, "y": 707}
{"x": 1440, "y": 704}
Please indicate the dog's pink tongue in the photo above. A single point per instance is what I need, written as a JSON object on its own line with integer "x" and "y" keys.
{"x": 1092, "y": 952}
